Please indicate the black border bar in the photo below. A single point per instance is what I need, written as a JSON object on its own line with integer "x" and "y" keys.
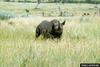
{"x": 89, "y": 64}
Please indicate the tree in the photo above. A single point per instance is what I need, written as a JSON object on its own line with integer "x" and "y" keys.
{"x": 38, "y": 2}
{"x": 7, "y": 0}
{"x": 59, "y": 7}
{"x": 25, "y": 0}
{"x": 88, "y": 1}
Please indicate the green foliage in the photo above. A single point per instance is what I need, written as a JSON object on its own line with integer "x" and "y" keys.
{"x": 57, "y": 1}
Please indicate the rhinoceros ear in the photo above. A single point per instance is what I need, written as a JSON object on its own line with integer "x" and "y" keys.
{"x": 63, "y": 23}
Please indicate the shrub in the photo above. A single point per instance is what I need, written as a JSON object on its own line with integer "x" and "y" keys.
{"x": 6, "y": 15}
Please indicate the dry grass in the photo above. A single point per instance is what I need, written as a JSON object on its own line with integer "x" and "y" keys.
{"x": 80, "y": 43}
{"x": 49, "y": 9}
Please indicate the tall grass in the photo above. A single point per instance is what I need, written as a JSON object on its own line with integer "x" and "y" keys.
{"x": 80, "y": 42}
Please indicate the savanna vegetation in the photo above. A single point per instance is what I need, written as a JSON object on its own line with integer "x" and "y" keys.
{"x": 55, "y": 1}
{"x": 80, "y": 42}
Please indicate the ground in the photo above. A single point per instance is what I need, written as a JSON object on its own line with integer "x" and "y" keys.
{"x": 80, "y": 41}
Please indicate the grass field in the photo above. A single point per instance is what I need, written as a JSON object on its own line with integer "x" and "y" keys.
{"x": 80, "y": 43}
{"x": 49, "y": 9}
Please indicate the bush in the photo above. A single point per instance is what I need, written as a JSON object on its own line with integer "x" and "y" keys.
{"x": 6, "y": 15}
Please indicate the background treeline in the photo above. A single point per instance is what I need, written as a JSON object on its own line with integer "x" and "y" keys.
{"x": 55, "y": 1}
